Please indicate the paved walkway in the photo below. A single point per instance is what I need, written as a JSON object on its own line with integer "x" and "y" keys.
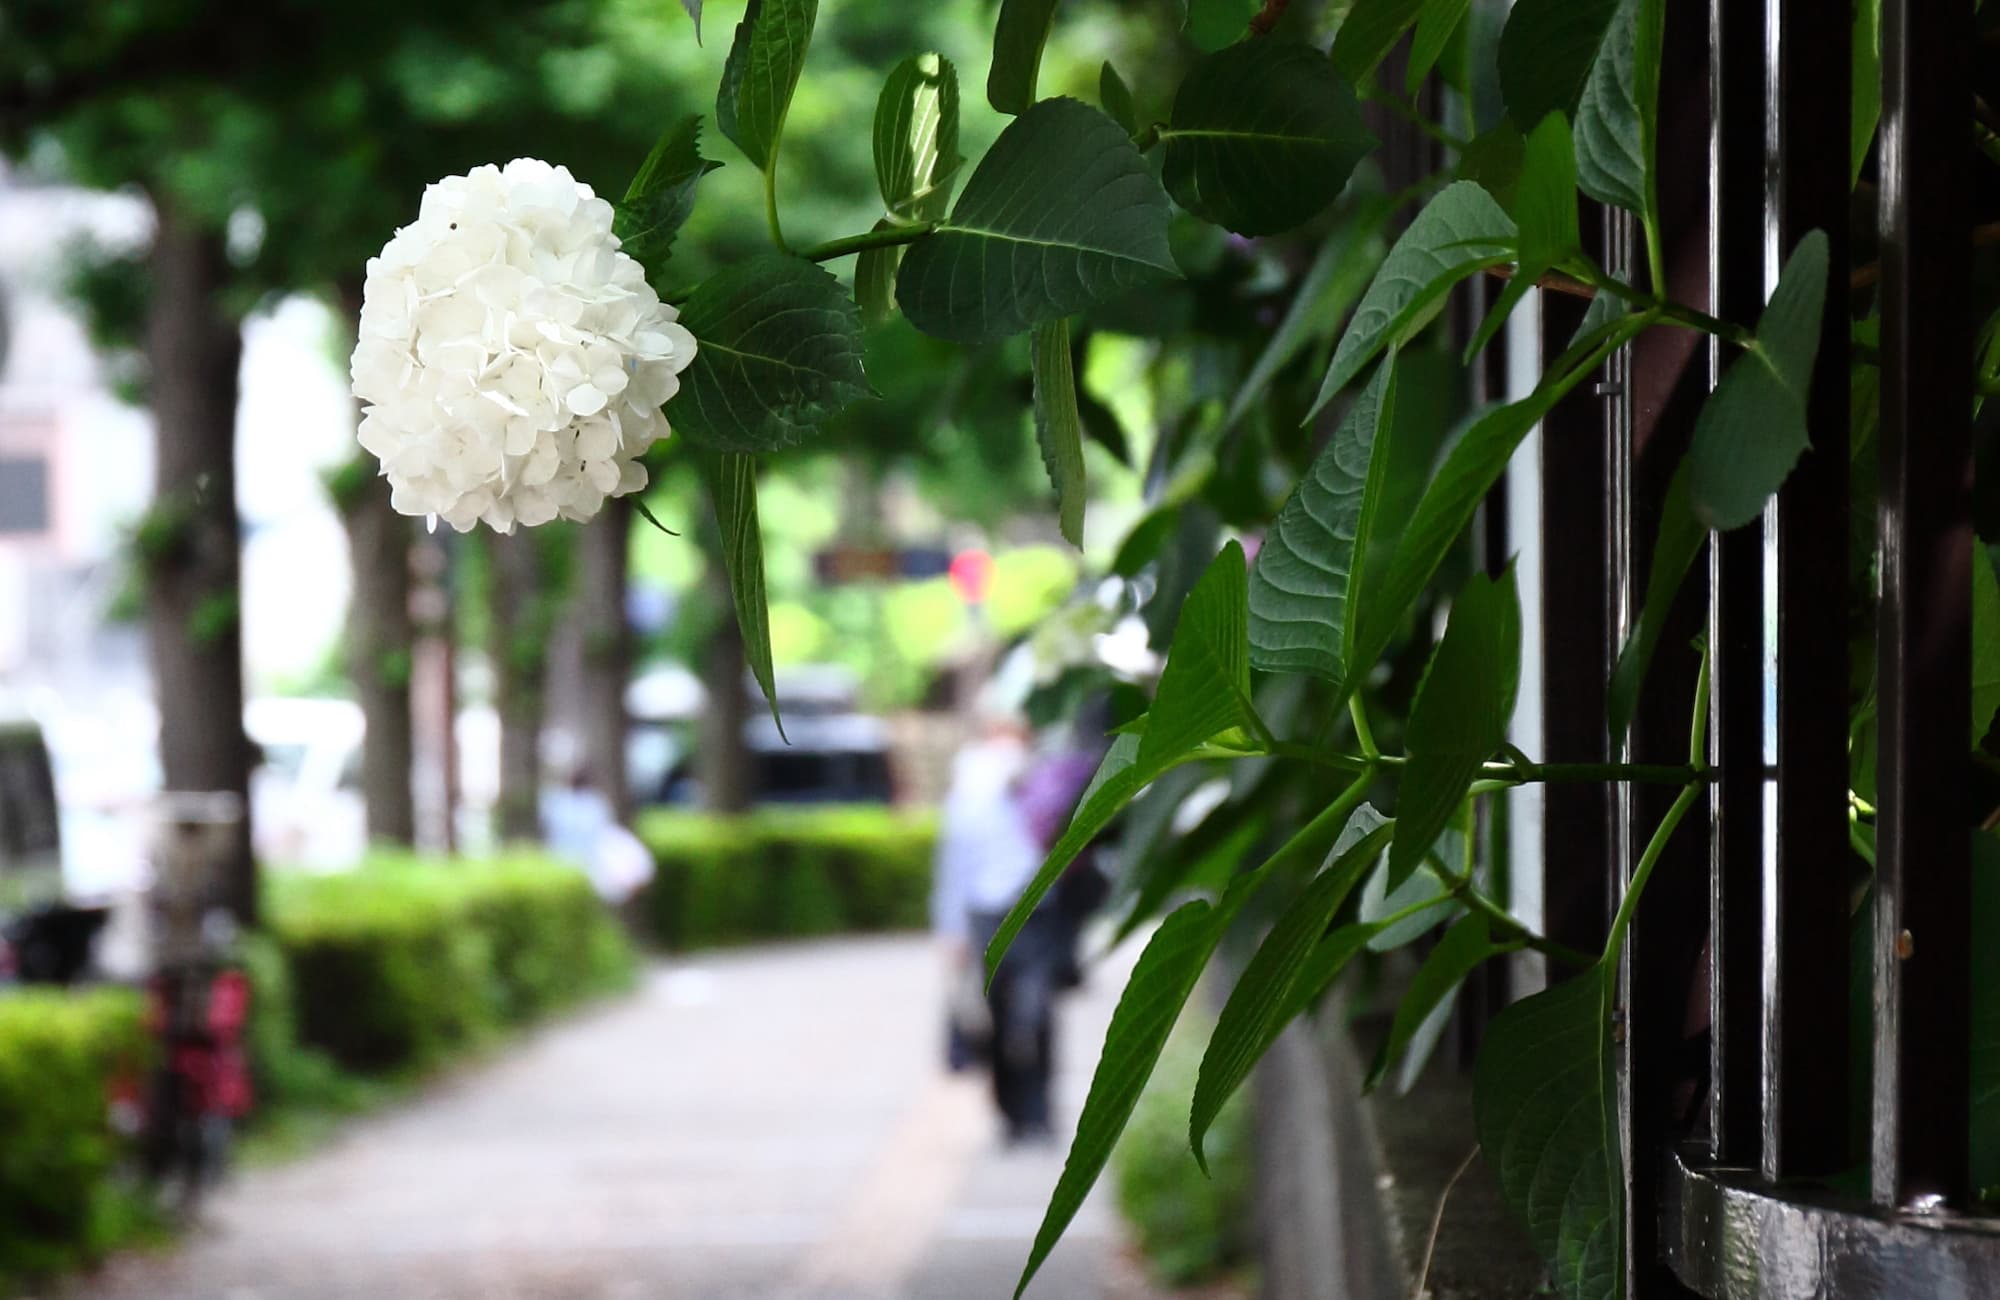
{"x": 769, "y": 1123}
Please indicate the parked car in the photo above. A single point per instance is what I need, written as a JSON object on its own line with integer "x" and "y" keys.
{"x": 45, "y": 936}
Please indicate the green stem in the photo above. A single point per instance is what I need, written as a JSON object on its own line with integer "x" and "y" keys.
{"x": 1363, "y": 736}
{"x": 1663, "y": 308}
{"x": 1649, "y": 859}
{"x": 1146, "y": 139}
{"x": 1503, "y": 920}
{"x": 1511, "y": 774}
{"x": 771, "y": 202}
{"x": 1698, "y": 728}
{"x": 867, "y": 239}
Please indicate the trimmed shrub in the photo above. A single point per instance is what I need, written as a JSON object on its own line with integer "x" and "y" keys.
{"x": 787, "y": 873}
{"x": 396, "y": 965}
{"x": 60, "y": 1052}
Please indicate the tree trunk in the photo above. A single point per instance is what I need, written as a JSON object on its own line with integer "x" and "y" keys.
{"x": 607, "y": 652}
{"x": 379, "y": 652}
{"x": 188, "y": 543}
{"x": 725, "y": 758}
{"x": 519, "y": 656}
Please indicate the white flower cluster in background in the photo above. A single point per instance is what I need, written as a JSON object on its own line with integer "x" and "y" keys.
{"x": 512, "y": 359}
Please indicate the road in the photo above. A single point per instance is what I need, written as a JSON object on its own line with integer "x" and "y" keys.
{"x": 763, "y": 1123}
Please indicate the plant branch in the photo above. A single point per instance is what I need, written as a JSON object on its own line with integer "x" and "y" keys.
{"x": 1363, "y": 736}
{"x": 1514, "y": 772}
{"x": 1650, "y": 858}
{"x": 771, "y": 203}
{"x": 1554, "y": 281}
{"x": 867, "y": 239}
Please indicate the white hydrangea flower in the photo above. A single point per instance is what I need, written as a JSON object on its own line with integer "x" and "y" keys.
{"x": 512, "y": 359}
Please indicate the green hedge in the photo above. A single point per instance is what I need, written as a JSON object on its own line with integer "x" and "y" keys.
{"x": 60, "y": 1201}
{"x": 787, "y": 872}
{"x": 394, "y": 966}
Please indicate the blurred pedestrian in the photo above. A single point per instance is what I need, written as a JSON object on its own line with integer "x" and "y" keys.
{"x": 1003, "y": 810}
{"x": 580, "y": 826}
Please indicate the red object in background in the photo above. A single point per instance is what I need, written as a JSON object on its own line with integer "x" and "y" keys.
{"x": 971, "y": 574}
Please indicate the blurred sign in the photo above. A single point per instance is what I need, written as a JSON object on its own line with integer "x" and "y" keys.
{"x": 879, "y": 563}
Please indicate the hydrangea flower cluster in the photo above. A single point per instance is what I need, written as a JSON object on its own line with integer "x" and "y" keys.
{"x": 512, "y": 359}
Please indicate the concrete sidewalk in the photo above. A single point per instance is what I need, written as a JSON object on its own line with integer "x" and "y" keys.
{"x": 768, "y": 1123}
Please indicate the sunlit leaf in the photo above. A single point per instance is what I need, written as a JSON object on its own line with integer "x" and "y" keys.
{"x": 1752, "y": 429}
{"x": 1254, "y": 1015}
{"x": 875, "y": 280}
{"x": 1339, "y": 272}
{"x": 1301, "y": 592}
{"x": 731, "y": 482}
{"x": 1263, "y": 135}
{"x": 1444, "y": 968}
{"x": 916, "y": 137}
{"x": 1610, "y": 152}
{"x": 1544, "y": 1102}
{"x": 1459, "y": 233}
{"x": 1370, "y": 30}
{"x": 1460, "y": 714}
{"x": 1058, "y": 428}
{"x": 1165, "y": 975}
{"x": 1060, "y": 214}
{"x": 661, "y": 196}
{"x": 1018, "y": 37}
{"x": 1435, "y": 25}
{"x": 1205, "y": 687}
{"x": 780, "y": 353}
{"x": 761, "y": 73}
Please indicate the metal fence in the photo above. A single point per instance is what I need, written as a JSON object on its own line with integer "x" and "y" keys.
{"x": 1733, "y": 1137}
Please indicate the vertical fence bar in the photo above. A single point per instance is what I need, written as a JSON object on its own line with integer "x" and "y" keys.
{"x": 1923, "y": 882}
{"x": 1736, "y": 618}
{"x": 1668, "y": 383}
{"x": 1807, "y": 887}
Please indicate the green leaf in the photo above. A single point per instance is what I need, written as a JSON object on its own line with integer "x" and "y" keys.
{"x": 1545, "y": 213}
{"x": 1378, "y": 902}
{"x": 1060, "y": 214}
{"x": 916, "y": 137}
{"x": 661, "y": 196}
{"x": 1460, "y": 714}
{"x": 731, "y": 481}
{"x": 1985, "y": 643}
{"x": 1205, "y": 687}
{"x": 875, "y": 280}
{"x": 778, "y": 353}
{"x": 1459, "y": 233}
{"x": 1610, "y": 148}
{"x": 1212, "y": 24}
{"x": 1262, "y": 137}
{"x": 1547, "y": 51}
{"x": 1753, "y": 427}
{"x": 1370, "y": 30}
{"x": 693, "y": 8}
{"x": 1058, "y": 428}
{"x": 1115, "y": 98}
{"x": 1463, "y": 948}
{"x": 1338, "y": 274}
{"x": 1493, "y": 160}
{"x": 1544, "y": 1103}
{"x": 1255, "y": 1013}
{"x": 1308, "y": 570}
{"x": 1161, "y": 982}
{"x": 1680, "y": 540}
{"x": 1435, "y": 25}
{"x": 762, "y": 71}
{"x": 1018, "y": 37}
{"x": 1120, "y": 777}
{"x": 1865, "y": 102}
{"x": 1468, "y": 473}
